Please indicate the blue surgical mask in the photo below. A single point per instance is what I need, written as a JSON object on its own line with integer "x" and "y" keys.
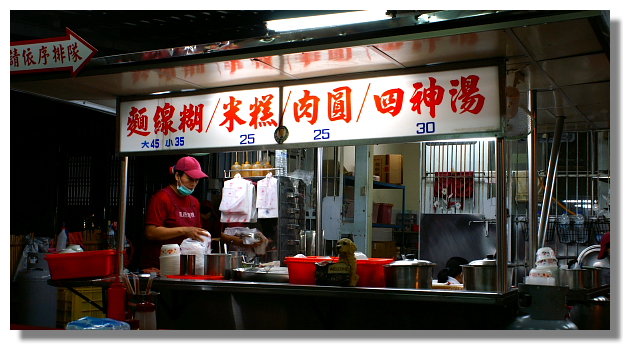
{"x": 184, "y": 190}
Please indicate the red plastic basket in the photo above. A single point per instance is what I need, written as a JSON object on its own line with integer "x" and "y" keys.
{"x": 302, "y": 270}
{"x": 371, "y": 272}
{"x": 85, "y": 264}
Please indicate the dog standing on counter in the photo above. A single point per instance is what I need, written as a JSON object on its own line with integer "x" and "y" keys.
{"x": 346, "y": 249}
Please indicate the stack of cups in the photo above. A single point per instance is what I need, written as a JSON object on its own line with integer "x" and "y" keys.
{"x": 546, "y": 270}
{"x": 169, "y": 261}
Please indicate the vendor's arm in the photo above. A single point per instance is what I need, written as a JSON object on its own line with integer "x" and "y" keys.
{"x": 231, "y": 239}
{"x": 237, "y": 240}
{"x": 164, "y": 233}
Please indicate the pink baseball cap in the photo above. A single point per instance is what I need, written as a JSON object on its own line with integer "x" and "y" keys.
{"x": 191, "y": 167}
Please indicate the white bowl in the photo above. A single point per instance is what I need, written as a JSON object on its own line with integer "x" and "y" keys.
{"x": 170, "y": 249}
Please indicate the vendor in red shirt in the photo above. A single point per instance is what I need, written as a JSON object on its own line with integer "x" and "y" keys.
{"x": 173, "y": 215}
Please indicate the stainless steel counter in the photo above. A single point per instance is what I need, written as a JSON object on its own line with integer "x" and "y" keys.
{"x": 203, "y": 304}
{"x": 225, "y": 304}
{"x": 394, "y": 294}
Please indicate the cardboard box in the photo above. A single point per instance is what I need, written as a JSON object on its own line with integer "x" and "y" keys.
{"x": 384, "y": 249}
{"x": 382, "y": 234}
{"x": 389, "y": 168}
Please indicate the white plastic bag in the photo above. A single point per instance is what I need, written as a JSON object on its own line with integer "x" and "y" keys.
{"x": 194, "y": 247}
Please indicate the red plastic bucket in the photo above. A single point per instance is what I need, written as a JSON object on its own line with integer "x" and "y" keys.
{"x": 371, "y": 272}
{"x": 302, "y": 270}
{"x": 384, "y": 214}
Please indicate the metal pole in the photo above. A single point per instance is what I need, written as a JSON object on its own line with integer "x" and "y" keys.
{"x": 123, "y": 190}
{"x": 551, "y": 172}
{"x": 501, "y": 218}
{"x": 319, "y": 237}
{"x": 532, "y": 146}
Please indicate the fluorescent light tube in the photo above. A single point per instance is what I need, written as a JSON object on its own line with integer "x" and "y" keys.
{"x": 343, "y": 18}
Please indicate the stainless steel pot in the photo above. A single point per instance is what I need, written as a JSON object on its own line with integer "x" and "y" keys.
{"x": 218, "y": 264}
{"x": 409, "y": 273}
{"x": 575, "y": 279}
{"x": 480, "y": 275}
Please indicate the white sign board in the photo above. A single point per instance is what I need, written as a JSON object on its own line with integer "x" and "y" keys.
{"x": 411, "y": 105}
{"x": 229, "y": 119}
{"x": 449, "y": 102}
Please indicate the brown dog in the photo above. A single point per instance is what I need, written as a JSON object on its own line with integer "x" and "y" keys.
{"x": 346, "y": 251}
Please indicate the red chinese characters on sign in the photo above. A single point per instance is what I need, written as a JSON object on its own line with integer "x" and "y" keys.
{"x": 44, "y": 55}
{"x": 261, "y": 112}
{"x": 231, "y": 115}
{"x": 471, "y": 101}
{"x": 425, "y": 97}
{"x": 341, "y": 54}
{"x": 307, "y": 107}
{"x": 15, "y": 58}
{"x": 339, "y": 104}
{"x": 73, "y": 52}
{"x": 28, "y": 57}
{"x": 61, "y": 54}
{"x": 431, "y": 97}
{"x": 138, "y": 122}
{"x": 233, "y": 66}
{"x": 390, "y": 101}
{"x": 192, "y": 118}
{"x": 310, "y": 57}
{"x": 163, "y": 119}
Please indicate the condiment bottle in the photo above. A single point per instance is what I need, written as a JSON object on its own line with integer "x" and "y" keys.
{"x": 257, "y": 165}
{"x": 268, "y": 166}
{"x": 245, "y": 172}
{"x": 235, "y": 168}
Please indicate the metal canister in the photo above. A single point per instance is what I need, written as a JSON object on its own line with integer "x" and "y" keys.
{"x": 218, "y": 264}
{"x": 187, "y": 265}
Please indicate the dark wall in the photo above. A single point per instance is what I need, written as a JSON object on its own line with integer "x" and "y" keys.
{"x": 45, "y": 136}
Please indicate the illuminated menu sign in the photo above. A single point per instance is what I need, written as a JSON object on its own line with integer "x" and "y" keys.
{"x": 412, "y": 105}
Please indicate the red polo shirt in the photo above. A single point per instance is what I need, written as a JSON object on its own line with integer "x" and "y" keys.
{"x": 168, "y": 209}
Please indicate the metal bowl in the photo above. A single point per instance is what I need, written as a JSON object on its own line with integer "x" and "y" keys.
{"x": 260, "y": 275}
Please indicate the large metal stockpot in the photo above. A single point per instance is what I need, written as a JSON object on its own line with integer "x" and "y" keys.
{"x": 480, "y": 275}
{"x": 409, "y": 273}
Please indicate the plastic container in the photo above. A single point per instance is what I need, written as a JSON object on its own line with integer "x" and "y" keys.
{"x": 96, "y": 263}
{"x": 146, "y": 314}
{"x": 257, "y": 165}
{"x": 302, "y": 270}
{"x": 245, "y": 169}
{"x": 384, "y": 213}
{"x": 371, "y": 272}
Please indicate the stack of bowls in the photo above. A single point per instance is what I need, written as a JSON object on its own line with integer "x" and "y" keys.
{"x": 546, "y": 270}
{"x": 169, "y": 261}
